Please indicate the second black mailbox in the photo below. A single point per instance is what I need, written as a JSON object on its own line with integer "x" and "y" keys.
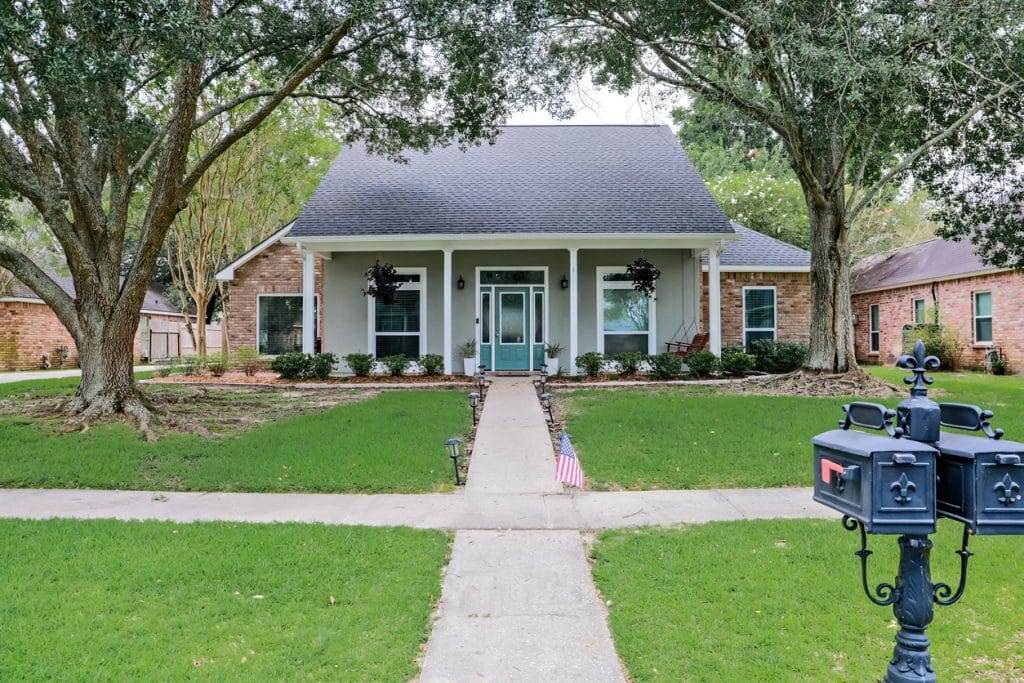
{"x": 883, "y": 481}
{"x": 980, "y": 479}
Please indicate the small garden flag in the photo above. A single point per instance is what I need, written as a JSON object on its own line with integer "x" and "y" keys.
{"x": 567, "y": 465}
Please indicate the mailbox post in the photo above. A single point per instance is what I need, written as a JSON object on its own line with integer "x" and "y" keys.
{"x": 903, "y": 481}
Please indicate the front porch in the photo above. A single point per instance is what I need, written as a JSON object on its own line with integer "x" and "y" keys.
{"x": 509, "y": 301}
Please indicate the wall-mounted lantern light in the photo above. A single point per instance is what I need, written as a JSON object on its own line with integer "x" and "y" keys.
{"x": 460, "y": 283}
{"x": 565, "y": 282}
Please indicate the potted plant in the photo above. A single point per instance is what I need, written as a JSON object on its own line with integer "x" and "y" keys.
{"x": 468, "y": 351}
{"x": 551, "y": 352}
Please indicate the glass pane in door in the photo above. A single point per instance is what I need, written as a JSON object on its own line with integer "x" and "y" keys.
{"x": 513, "y": 318}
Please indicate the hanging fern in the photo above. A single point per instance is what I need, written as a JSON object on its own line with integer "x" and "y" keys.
{"x": 382, "y": 282}
{"x": 645, "y": 276}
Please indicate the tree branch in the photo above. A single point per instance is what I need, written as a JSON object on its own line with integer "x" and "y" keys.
{"x": 42, "y": 284}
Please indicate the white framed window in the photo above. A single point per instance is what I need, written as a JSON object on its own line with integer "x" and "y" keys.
{"x": 625, "y": 317}
{"x": 401, "y": 326}
{"x": 760, "y": 319}
{"x": 983, "y": 317}
{"x": 873, "y": 328}
{"x": 919, "y": 311}
{"x": 279, "y": 322}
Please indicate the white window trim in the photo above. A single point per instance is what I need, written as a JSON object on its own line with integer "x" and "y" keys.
{"x": 774, "y": 329}
{"x": 872, "y": 347}
{"x": 262, "y": 295}
{"x": 371, "y": 302}
{"x": 652, "y": 311}
{"x": 975, "y": 317}
{"x": 913, "y": 311}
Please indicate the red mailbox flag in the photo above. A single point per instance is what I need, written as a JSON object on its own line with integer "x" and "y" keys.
{"x": 828, "y": 466}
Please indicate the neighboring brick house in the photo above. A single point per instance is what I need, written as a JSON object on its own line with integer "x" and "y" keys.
{"x": 765, "y": 289}
{"x": 31, "y": 335}
{"x": 905, "y": 287}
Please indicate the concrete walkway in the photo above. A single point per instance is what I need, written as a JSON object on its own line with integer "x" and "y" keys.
{"x": 518, "y": 605}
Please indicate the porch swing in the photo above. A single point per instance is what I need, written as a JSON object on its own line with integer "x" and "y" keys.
{"x": 698, "y": 342}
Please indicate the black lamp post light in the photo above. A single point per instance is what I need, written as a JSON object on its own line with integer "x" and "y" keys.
{"x": 902, "y": 481}
{"x": 545, "y": 400}
{"x": 474, "y": 402}
{"x": 453, "y": 453}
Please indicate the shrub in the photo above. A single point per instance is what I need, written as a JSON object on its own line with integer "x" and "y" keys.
{"x": 216, "y": 365}
{"x": 666, "y": 365}
{"x": 941, "y": 341}
{"x": 591, "y": 363}
{"x": 361, "y": 364}
{"x": 248, "y": 361}
{"x": 702, "y": 363}
{"x": 321, "y": 365}
{"x": 396, "y": 365}
{"x": 777, "y": 357}
{"x": 630, "y": 361}
{"x": 192, "y": 365}
{"x": 164, "y": 369}
{"x": 998, "y": 366}
{"x": 291, "y": 365}
{"x": 735, "y": 361}
{"x": 432, "y": 364}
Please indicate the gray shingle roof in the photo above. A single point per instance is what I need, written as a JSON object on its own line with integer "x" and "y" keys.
{"x": 754, "y": 248}
{"x": 532, "y": 180}
{"x": 154, "y": 300}
{"x": 933, "y": 259}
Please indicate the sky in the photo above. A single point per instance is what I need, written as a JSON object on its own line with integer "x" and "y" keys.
{"x": 594, "y": 106}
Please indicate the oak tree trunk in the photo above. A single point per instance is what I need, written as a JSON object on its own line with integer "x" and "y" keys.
{"x": 831, "y": 335}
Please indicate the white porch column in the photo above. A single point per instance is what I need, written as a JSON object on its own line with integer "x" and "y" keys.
{"x": 447, "y": 312}
{"x": 715, "y": 299}
{"x": 308, "y": 298}
{"x": 574, "y": 310}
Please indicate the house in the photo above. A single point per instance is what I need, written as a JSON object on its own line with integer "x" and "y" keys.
{"x": 514, "y": 245}
{"x": 32, "y": 337}
{"x": 899, "y": 289}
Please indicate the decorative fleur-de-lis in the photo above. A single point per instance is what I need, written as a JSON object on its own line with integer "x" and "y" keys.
{"x": 1009, "y": 489}
{"x": 918, "y": 363}
{"x": 902, "y": 489}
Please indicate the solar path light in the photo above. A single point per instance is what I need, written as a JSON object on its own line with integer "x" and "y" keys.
{"x": 545, "y": 400}
{"x": 902, "y": 481}
{"x": 474, "y": 401}
{"x": 453, "y": 453}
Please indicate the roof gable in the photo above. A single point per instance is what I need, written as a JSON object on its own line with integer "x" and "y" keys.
{"x": 755, "y": 249}
{"x": 532, "y": 180}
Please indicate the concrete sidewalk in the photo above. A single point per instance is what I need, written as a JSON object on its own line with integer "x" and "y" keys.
{"x": 26, "y": 375}
{"x": 523, "y": 511}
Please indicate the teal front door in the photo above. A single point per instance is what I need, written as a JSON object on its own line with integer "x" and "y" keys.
{"x": 512, "y": 324}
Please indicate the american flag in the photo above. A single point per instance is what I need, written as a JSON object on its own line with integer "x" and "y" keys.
{"x": 567, "y": 465}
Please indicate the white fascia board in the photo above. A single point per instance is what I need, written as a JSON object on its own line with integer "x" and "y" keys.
{"x": 228, "y": 273}
{"x": 21, "y": 300}
{"x": 930, "y": 280}
{"x": 507, "y": 241}
{"x": 148, "y": 311}
{"x": 760, "y": 269}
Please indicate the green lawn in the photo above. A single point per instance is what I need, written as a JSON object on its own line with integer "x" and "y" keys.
{"x": 130, "y": 601}
{"x": 781, "y": 601}
{"x": 697, "y": 437}
{"x": 393, "y": 442}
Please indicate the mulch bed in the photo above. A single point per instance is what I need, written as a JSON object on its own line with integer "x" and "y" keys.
{"x": 270, "y": 378}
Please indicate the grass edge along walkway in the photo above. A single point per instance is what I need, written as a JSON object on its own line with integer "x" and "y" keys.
{"x": 108, "y": 600}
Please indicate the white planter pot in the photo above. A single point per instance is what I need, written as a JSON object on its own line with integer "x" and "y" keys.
{"x": 552, "y": 365}
{"x": 469, "y": 366}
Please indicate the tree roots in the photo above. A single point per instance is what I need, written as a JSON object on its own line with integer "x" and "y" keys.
{"x": 106, "y": 405}
{"x": 855, "y": 383}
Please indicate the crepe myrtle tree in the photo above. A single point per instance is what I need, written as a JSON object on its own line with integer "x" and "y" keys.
{"x": 847, "y": 86}
{"x": 100, "y": 100}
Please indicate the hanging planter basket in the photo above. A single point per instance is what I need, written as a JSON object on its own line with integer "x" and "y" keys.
{"x": 382, "y": 282}
{"x": 645, "y": 276}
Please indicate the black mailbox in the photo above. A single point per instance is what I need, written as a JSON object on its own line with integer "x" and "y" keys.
{"x": 980, "y": 478}
{"x": 885, "y": 482}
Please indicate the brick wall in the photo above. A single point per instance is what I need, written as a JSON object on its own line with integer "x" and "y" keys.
{"x": 278, "y": 270}
{"x": 28, "y": 330}
{"x": 792, "y": 304}
{"x": 956, "y": 307}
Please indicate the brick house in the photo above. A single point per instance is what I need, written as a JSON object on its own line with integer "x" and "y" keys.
{"x": 513, "y": 246}
{"x": 31, "y": 335}
{"x": 899, "y": 289}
